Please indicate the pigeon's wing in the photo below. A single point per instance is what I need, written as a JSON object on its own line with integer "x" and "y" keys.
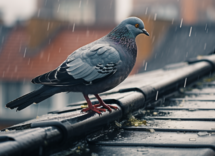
{"x": 87, "y": 65}
{"x": 57, "y": 77}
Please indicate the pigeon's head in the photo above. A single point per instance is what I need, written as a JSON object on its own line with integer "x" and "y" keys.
{"x": 135, "y": 26}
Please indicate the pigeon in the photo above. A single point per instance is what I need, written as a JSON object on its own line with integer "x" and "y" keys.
{"x": 92, "y": 69}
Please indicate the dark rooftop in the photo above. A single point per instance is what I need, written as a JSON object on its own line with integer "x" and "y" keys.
{"x": 168, "y": 111}
{"x": 181, "y": 43}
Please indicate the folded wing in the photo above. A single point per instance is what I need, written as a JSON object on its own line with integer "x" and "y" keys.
{"x": 83, "y": 66}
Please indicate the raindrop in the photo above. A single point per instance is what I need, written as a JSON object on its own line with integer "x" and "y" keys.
{"x": 205, "y": 46}
{"x": 2, "y": 39}
{"x": 206, "y": 26}
{"x": 203, "y": 133}
{"x": 38, "y": 13}
{"x": 80, "y": 4}
{"x": 149, "y": 18}
{"x": 190, "y": 31}
{"x": 48, "y": 57}
{"x": 192, "y": 139}
{"x": 156, "y": 96}
{"x": 181, "y": 23}
{"x": 172, "y": 20}
{"x": 146, "y": 66}
{"x": 25, "y": 52}
{"x": 146, "y": 11}
{"x": 58, "y": 9}
{"x": 48, "y": 26}
{"x": 87, "y": 33}
{"x": 185, "y": 81}
{"x": 155, "y": 17}
{"x": 73, "y": 27}
{"x": 153, "y": 39}
{"x": 59, "y": 50}
{"x": 111, "y": 2}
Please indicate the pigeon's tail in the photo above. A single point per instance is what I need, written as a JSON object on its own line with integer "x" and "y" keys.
{"x": 36, "y": 96}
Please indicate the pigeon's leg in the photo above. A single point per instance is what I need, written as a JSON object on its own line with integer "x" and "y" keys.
{"x": 103, "y": 104}
{"x": 91, "y": 107}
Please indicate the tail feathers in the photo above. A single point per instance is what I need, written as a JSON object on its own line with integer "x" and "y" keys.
{"x": 30, "y": 98}
{"x": 34, "y": 100}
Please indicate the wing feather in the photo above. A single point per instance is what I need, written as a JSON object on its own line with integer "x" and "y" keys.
{"x": 93, "y": 76}
{"x": 83, "y": 66}
{"x": 82, "y": 72}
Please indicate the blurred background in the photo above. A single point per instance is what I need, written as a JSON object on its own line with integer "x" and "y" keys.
{"x": 38, "y": 35}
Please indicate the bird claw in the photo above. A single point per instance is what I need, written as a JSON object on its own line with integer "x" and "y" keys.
{"x": 107, "y": 106}
{"x": 94, "y": 109}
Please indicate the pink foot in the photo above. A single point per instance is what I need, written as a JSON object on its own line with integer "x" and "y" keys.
{"x": 106, "y": 106}
{"x": 91, "y": 107}
{"x": 101, "y": 103}
{"x": 94, "y": 109}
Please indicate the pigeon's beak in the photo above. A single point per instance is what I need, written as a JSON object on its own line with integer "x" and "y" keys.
{"x": 145, "y": 32}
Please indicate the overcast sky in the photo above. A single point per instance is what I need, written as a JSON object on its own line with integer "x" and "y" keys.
{"x": 12, "y": 10}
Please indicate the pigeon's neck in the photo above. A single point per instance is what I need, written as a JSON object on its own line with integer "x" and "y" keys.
{"x": 122, "y": 36}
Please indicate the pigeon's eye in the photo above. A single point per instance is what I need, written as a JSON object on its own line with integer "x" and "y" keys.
{"x": 137, "y": 25}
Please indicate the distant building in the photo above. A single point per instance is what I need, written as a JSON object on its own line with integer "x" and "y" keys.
{"x": 189, "y": 11}
{"x": 56, "y": 30}
{"x": 84, "y": 12}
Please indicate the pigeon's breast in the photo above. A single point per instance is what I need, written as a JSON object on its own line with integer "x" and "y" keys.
{"x": 123, "y": 69}
{"x": 110, "y": 82}
{"x": 103, "y": 85}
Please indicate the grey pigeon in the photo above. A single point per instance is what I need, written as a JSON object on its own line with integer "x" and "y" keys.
{"x": 91, "y": 69}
